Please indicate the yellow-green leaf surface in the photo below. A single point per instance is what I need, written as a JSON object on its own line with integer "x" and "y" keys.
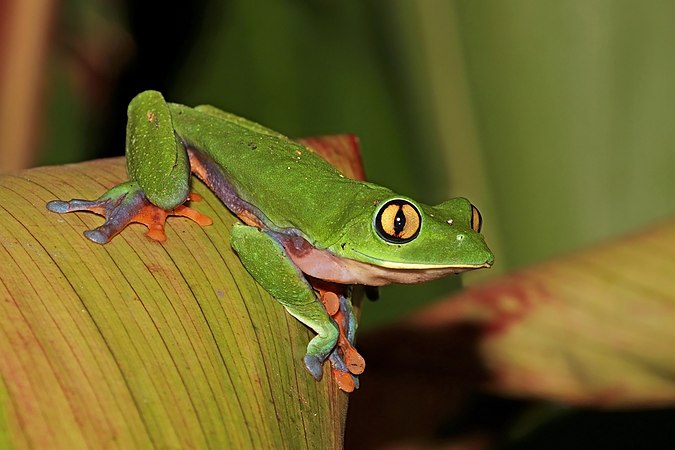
{"x": 595, "y": 327}
{"x": 138, "y": 344}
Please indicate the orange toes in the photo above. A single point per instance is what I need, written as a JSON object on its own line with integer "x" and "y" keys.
{"x": 154, "y": 217}
{"x": 331, "y": 302}
{"x": 344, "y": 380}
{"x": 156, "y": 232}
{"x": 355, "y": 362}
{"x": 192, "y": 214}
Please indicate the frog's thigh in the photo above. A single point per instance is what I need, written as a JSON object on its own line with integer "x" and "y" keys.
{"x": 267, "y": 261}
{"x": 156, "y": 157}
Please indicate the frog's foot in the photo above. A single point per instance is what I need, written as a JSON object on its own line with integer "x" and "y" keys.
{"x": 319, "y": 348}
{"x": 345, "y": 380}
{"x": 345, "y": 366}
{"x": 314, "y": 365}
{"x": 125, "y": 204}
{"x": 346, "y": 362}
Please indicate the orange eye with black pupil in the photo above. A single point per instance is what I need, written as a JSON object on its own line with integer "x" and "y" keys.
{"x": 476, "y": 219}
{"x": 398, "y": 222}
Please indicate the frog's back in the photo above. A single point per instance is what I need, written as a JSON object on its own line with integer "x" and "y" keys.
{"x": 281, "y": 178}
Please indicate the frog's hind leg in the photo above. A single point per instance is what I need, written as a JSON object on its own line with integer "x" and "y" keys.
{"x": 267, "y": 261}
{"x": 124, "y": 204}
{"x": 159, "y": 169}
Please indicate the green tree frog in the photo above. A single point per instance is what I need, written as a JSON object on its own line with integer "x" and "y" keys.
{"x": 303, "y": 222}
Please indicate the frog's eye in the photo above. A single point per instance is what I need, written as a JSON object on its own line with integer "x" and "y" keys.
{"x": 476, "y": 219}
{"x": 398, "y": 221}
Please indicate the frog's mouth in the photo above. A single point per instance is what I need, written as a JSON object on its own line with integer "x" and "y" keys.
{"x": 325, "y": 265}
{"x": 419, "y": 266}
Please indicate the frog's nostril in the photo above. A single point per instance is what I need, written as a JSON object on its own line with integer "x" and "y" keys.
{"x": 460, "y": 237}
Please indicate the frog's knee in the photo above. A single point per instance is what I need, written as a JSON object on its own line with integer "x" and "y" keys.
{"x": 243, "y": 237}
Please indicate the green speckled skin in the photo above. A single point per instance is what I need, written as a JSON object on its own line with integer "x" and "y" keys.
{"x": 164, "y": 175}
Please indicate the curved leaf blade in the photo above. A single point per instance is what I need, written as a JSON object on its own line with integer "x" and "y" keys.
{"x": 137, "y": 344}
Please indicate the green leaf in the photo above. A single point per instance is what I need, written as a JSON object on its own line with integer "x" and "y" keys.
{"x": 138, "y": 344}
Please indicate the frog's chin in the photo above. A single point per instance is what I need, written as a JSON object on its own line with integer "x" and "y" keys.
{"x": 325, "y": 265}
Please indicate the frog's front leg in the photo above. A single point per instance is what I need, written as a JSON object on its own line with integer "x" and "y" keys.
{"x": 267, "y": 261}
{"x": 346, "y": 361}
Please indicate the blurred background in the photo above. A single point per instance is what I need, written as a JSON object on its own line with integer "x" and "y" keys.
{"x": 554, "y": 118}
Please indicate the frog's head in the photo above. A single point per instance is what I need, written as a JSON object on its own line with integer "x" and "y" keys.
{"x": 405, "y": 241}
